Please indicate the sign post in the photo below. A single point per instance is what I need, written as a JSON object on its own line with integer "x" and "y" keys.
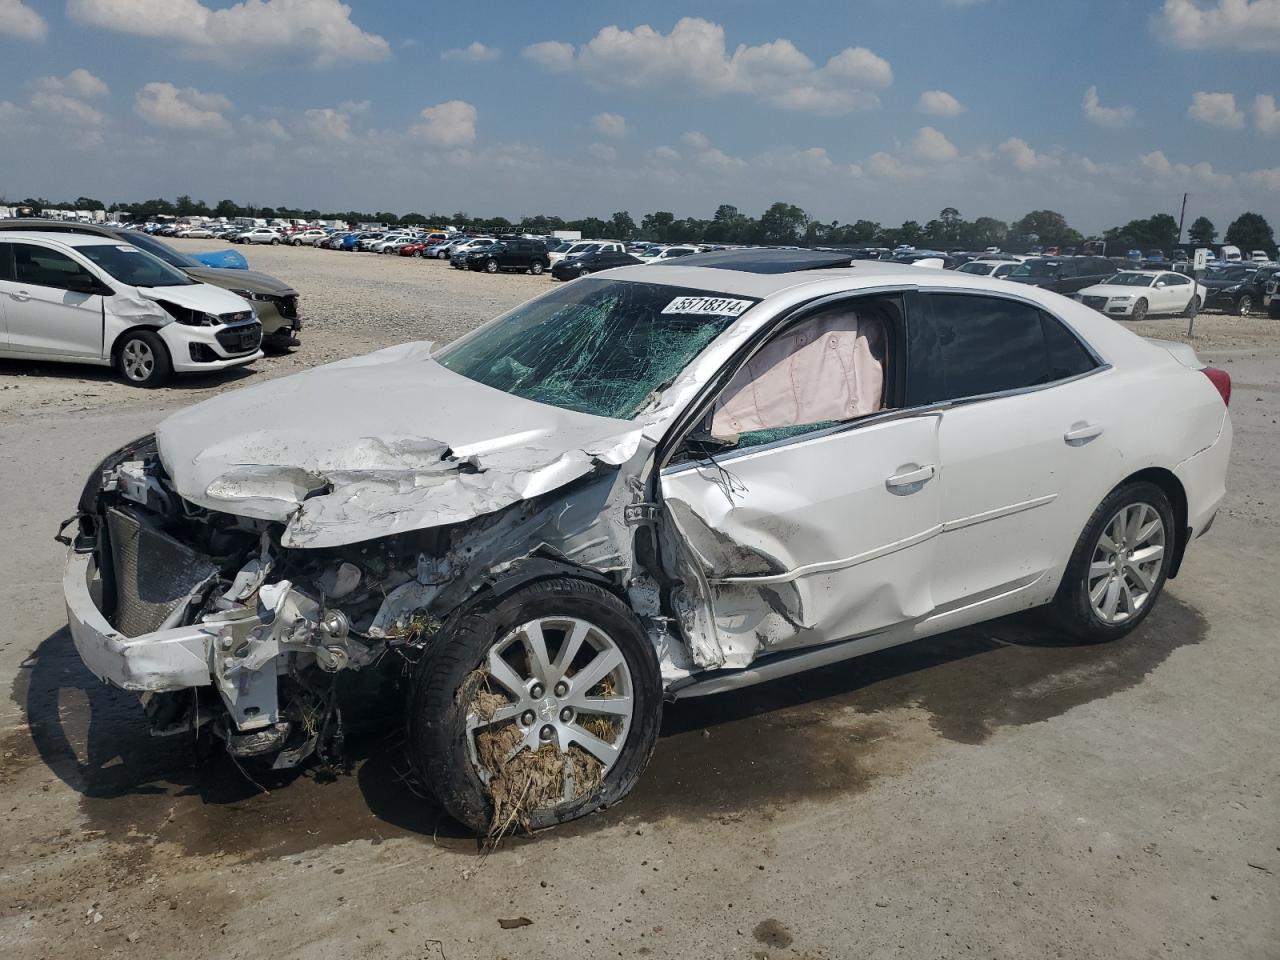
{"x": 1199, "y": 266}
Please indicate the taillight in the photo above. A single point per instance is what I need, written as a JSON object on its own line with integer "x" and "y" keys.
{"x": 1222, "y": 380}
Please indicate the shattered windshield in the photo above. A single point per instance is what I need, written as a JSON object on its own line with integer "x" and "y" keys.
{"x": 597, "y": 346}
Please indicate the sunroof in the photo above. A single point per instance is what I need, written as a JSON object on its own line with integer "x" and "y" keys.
{"x": 765, "y": 261}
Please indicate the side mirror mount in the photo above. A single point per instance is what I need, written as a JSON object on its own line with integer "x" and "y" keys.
{"x": 85, "y": 283}
{"x": 700, "y": 443}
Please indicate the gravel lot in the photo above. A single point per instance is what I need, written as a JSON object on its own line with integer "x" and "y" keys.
{"x": 990, "y": 793}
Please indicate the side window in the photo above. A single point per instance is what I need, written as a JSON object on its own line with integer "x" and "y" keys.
{"x": 829, "y": 368}
{"x": 1174, "y": 280}
{"x": 1003, "y": 270}
{"x": 968, "y": 346}
{"x": 1066, "y": 354}
{"x": 43, "y": 267}
{"x": 1067, "y": 269}
{"x": 6, "y": 261}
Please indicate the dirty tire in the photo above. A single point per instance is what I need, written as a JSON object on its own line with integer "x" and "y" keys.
{"x": 1139, "y": 311}
{"x": 1071, "y": 610}
{"x": 142, "y": 359}
{"x": 437, "y": 737}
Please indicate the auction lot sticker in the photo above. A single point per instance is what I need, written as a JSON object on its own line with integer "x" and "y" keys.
{"x": 709, "y": 306}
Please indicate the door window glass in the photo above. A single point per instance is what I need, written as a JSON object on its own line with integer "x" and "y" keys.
{"x": 969, "y": 346}
{"x": 43, "y": 267}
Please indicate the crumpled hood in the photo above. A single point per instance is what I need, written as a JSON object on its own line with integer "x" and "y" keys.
{"x": 376, "y": 445}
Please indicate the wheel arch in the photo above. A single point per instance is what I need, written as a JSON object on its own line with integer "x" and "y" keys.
{"x": 1177, "y": 494}
{"x": 114, "y": 353}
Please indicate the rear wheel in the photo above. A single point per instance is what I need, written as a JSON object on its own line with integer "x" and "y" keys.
{"x": 1139, "y": 310}
{"x": 536, "y": 708}
{"x": 536, "y": 268}
{"x": 1119, "y": 564}
{"x": 142, "y": 359}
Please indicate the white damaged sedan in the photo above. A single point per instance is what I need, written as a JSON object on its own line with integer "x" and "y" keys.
{"x": 657, "y": 482}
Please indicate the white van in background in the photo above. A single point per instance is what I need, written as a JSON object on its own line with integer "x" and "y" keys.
{"x": 1227, "y": 254}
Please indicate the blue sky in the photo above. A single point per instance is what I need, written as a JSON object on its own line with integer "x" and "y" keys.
{"x": 877, "y": 109}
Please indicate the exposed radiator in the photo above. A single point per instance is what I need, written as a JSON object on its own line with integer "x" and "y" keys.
{"x": 155, "y": 575}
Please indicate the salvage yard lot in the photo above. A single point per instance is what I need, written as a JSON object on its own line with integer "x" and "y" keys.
{"x": 993, "y": 792}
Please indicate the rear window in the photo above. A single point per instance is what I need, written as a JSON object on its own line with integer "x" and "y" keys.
{"x": 602, "y": 347}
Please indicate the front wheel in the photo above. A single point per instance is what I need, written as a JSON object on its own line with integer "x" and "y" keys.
{"x": 143, "y": 360}
{"x": 535, "y": 708}
{"x": 584, "y": 272}
{"x": 491, "y": 266}
{"x": 1139, "y": 310}
{"x": 1244, "y": 306}
{"x": 275, "y": 242}
{"x": 1119, "y": 564}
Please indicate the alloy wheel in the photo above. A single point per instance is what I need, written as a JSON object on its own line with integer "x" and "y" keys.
{"x": 1126, "y": 564}
{"x": 567, "y": 684}
{"x": 1245, "y": 306}
{"x": 138, "y": 360}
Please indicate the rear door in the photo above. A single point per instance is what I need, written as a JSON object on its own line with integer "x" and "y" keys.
{"x": 42, "y": 314}
{"x": 1028, "y": 434}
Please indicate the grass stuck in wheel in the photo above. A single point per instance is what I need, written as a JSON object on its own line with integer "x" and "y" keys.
{"x": 521, "y": 782}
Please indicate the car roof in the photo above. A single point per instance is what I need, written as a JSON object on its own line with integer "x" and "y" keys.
{"x": 65, "y": 238}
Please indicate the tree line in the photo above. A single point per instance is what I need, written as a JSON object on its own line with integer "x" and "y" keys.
{"x": 781, "y": 224}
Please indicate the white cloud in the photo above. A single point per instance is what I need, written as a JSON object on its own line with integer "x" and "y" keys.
{"x": 19, "y": 20}
{"x": 1095, "y": 112}
{"x": 448, "y": 124}
{"x": 1265, "y": 115}
{"x": 328, "y": 123}
{"x": 698, "y": 141}
{"x": 603, "y": 152}
{"x": 610, "y": 125}
{"x": 77, "y": 83}
{"x": 940, "y": 104}
{"x": 666, "y": 154}
{"x": 1158, "y": 165}
{"x": 1267, "y": 179}
{"x": 693, "y": 59}
{"x": 1025, "y": 158}
{"x": 269, "y": 128}
{"x": 551, "y": 55}
{"x": 474, "y": 52}
{"x": 885, "y": 165}
{"x": 932, "y": 146}
{"x": 1216, "y": 110}
{"x": 319, "y": 30}
{"x": 1222, "y": 25}
{"x": 185, "y": 108}
{"x": 67, "y": 109}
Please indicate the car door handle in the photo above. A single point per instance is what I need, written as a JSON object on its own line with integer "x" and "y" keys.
{"x": 912, "y": 477}
{"x": 21, "y": 296}
{"x": 1082, "y": 432}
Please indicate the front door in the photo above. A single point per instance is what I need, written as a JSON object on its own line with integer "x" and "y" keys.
{"x": 816, "y": 519}
{"x": 42, "y": 314}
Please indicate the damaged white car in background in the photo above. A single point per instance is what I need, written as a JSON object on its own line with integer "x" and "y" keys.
{"x": 658, "y": 482}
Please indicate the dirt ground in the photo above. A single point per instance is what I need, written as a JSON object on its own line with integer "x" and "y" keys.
{"x": 994, "y": 792}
